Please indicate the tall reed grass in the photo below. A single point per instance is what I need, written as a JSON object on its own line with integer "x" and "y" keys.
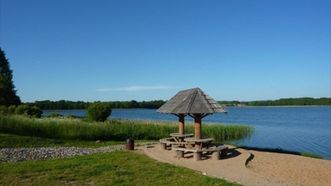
{"x": 68, "y": 128}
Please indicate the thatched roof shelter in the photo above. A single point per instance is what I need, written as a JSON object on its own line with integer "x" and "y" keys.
{"x": 193, "y": 102}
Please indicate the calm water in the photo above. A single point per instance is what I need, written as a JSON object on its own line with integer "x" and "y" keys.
{"x": 304, "y": 129}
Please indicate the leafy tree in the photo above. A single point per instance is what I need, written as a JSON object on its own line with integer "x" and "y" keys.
{"x": 98, "y": 111}
{"x": 7, "y": 89}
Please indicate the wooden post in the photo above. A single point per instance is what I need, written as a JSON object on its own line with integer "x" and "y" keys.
{"x": 163, "y": 146}
{"x": 216, "y": 155}
{"x": 197, "y": 156}
{"x": 181, "y": 119}
{"x": 197, "y": 126}
{"x": 179, "y": 153}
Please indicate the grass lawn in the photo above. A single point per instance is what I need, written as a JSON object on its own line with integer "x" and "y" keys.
{"x": 15, "y": 141}
{"x": 116, "y": 168}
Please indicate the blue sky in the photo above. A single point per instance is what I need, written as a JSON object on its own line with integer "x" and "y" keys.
{"x": 144, "y": 50}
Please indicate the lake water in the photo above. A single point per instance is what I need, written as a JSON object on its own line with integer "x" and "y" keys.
{"x": 303, "y": 129}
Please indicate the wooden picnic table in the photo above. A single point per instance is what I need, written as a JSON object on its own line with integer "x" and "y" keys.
{"x": 199, "y": 143}
{"x": 180, "y": 137}
{"x": 176, "y": 139}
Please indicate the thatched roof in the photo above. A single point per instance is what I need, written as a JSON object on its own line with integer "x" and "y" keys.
{"x": 191, "y": 101}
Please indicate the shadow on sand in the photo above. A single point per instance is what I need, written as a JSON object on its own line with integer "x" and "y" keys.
{"x": 231, "y": 153}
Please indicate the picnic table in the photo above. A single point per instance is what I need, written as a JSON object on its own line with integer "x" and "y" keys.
{"x": 176, "y": 139}
{"x": 199, "y": 143}
{"x": 180, "y": 137}
{"x": 200, "y": 147}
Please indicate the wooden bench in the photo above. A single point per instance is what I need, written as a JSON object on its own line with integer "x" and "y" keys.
{"x": 197, "y": 153}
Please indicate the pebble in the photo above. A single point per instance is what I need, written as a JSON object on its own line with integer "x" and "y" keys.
{"x": 43, "y": 153}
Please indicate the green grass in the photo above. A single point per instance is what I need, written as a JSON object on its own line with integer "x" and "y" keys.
{"x": 116, "y": 168}
{"x": 71, "y": 128}
{"x": 311, "y": 155}
{"x": 15, "y": 141}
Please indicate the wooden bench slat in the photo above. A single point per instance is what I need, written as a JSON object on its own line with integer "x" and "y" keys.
{"x": 201, "y": 150}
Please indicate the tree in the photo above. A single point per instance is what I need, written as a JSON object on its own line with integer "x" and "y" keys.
{"x": 98, "y": 111}
{"x": 7, "y": 89}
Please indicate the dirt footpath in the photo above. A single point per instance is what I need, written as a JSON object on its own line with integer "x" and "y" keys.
{"x": 264, "y": 169}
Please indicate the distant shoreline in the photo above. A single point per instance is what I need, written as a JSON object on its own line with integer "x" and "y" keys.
{"x": 276, "y": 106}
{"x": 283, "y": 106}
{"x": 155, "y": 104}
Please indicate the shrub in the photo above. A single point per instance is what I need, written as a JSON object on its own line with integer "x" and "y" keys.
{"x": 33, "y": 111}
{"x": 3, "y": 110}
{"x": 22, "y": 110}
{"x": 11, "y": 109}
{"x": 98, "y": 112}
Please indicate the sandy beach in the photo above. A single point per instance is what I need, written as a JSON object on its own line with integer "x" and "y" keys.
{"x": 264, "y": 169}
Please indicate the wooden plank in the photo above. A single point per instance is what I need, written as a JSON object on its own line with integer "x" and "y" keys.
{"x": 215, "y": 149}
{"x": 204, "y": 140}
{"x": 184, "y": 149}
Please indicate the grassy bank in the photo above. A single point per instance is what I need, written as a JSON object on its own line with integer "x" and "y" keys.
{"x": 116, "y": 168}
{"x": 66, "y": 128}
{"x": 16, "y": 141}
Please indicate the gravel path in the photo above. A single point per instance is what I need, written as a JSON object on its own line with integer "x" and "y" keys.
{"x": 43, "y": 153}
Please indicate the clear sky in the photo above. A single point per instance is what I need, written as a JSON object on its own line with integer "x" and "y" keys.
{"x": 144, "y": 50}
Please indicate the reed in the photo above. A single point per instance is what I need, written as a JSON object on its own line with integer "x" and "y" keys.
{"x": 71, "y": 128}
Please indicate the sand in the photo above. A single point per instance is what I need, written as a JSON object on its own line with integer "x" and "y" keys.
{"x": 264, "y": 169}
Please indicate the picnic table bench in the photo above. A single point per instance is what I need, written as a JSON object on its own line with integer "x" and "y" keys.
{"x": 197, "y": 153}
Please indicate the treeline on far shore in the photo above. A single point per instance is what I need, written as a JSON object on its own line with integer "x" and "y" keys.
{"x": 64, "y": 104}
{"x": 280, "y": 102}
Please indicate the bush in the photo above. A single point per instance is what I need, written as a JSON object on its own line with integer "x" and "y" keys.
{"x": 29, "y": 111}
{"x": 35, "y": 111}
{"x": 98, "y": 112}
{"x": 22, "y": 110}
{"x": 11, "y": 109}
{"x": 3, "y": 110}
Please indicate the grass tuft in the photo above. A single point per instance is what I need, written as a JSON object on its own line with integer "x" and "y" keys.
{"x": 311, "y": 155}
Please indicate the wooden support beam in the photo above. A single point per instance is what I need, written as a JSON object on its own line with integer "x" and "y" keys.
{"x": 181, "y": 119}
{"x": 197, "y": 126}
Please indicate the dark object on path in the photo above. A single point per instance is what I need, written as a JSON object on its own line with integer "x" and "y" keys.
{"x": 129, "y": 144}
